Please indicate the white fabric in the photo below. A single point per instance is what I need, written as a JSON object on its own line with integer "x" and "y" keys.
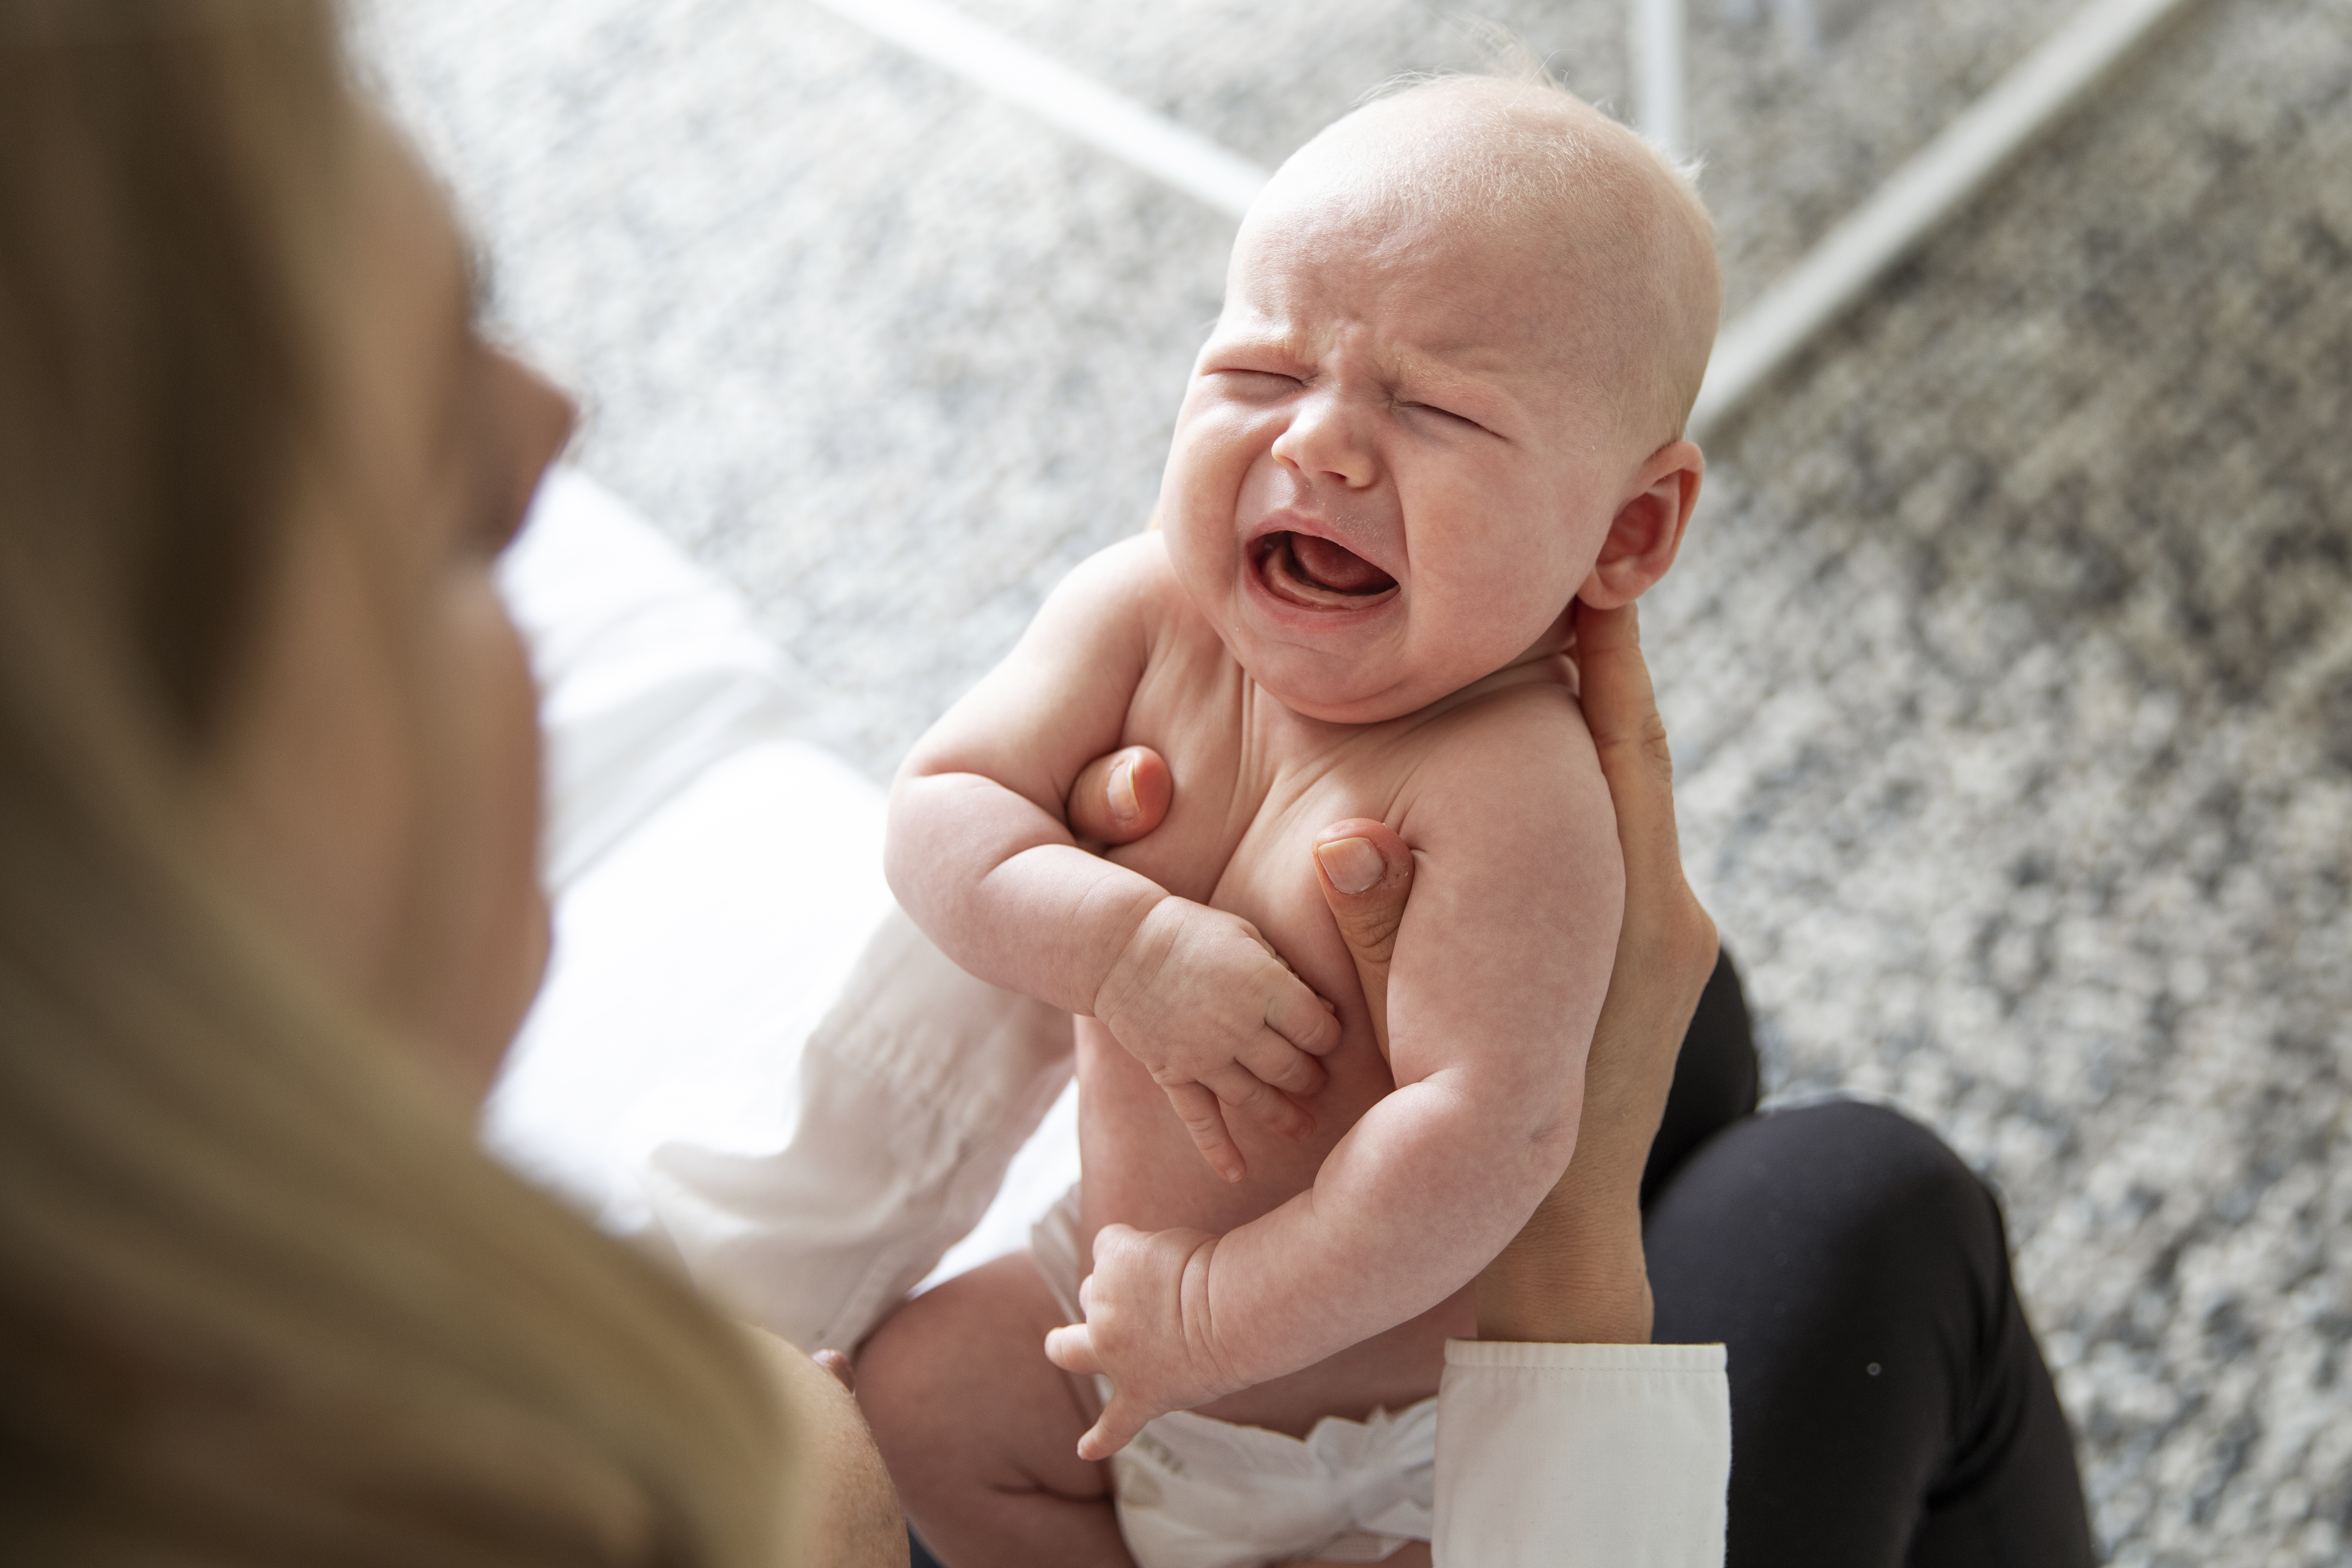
{"x": 687, "y": 1077}
{"x": 744, "y": 1054}
{"x": 649, "y": 670}
{"x": 1197, "y": 1493}
{"x": 813, "y": 1210}
{"x": 688, "y": 965}
{"x": 1045, "y": 1168}
{"x": 1194, "y": 1492}
{"x": 1582, "y": 1456}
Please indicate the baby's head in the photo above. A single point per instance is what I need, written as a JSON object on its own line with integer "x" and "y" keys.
{"x": 1463, "y": 329}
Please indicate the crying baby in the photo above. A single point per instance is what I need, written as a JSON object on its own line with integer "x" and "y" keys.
{"x": 1463, "y": 329}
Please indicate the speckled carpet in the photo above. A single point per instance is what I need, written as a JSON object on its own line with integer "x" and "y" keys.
{"x": 2009, "y": 667}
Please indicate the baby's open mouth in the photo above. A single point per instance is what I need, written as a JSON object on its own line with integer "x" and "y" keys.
{"x": 1316, "y": 572}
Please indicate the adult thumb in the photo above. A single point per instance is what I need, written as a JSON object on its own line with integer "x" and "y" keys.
{"x": 1366, "y": 873}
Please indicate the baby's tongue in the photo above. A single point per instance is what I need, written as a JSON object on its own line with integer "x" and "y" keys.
{"x": 1337, "y": 567}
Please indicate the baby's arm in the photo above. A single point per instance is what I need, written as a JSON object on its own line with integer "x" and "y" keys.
{"x": 1500, "y": 968}
{"x": 979, "y": 853}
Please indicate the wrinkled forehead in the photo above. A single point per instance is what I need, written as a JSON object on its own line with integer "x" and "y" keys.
{"x": 1477, "y": 275}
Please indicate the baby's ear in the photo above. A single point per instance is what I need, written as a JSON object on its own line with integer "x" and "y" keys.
{"x": 1647, "y": 531}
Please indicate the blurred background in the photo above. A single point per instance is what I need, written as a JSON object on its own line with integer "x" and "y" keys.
{"x": 2008, "y": 666}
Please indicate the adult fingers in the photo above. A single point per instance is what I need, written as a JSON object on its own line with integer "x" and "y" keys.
{"x": 1620, "y": 708}
{"x": 1196, "y": 1107}
{"x": 1120, "y": 797}
{"x": 1366, "y": 873}
{"x": 1667, "y": 948}
{"x": 1240, "y": 1090}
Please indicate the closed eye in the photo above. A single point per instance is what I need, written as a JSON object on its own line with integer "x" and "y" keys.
{"x": 1256, "y": 385}
{"x": 1446, "y": 414}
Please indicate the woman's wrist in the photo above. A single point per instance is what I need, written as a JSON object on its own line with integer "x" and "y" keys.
{"x": 1575, "y": 1274}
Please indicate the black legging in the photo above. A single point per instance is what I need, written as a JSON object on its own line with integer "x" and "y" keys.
{"x": 1889, "y": 1407}
{"x": 1888, "y": 1403}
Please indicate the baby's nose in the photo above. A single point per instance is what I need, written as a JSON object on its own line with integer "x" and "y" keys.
{"x": 1327, "y": 442}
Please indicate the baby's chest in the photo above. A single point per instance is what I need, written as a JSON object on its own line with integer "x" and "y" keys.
{"x": 1251, "y": 799}
{"x": 1266, "y": 874}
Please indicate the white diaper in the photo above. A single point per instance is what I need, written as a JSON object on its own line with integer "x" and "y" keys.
{"x": 1198, "y": 1493}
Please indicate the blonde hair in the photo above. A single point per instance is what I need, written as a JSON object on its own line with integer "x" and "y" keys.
{"x": 261, "y": 1298}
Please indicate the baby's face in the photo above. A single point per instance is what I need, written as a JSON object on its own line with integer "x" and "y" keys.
{"x": 1397, "y": 459}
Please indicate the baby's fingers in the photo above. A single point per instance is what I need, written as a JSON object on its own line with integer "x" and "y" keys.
{"x": 1242, "y": 1091}
{"x": 1123, "y": 1418}
{"x": 1073, "y": 1350}
{"x": 1277, "y": 1062}
{"x": 1197, "y": 1109}
{"x": 1303, "y": 1018}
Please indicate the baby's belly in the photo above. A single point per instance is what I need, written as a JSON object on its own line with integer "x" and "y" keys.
{"x": 1141, "y": 1169}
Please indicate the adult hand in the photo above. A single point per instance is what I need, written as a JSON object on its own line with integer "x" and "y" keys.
{"x": 1576, "y": 1273}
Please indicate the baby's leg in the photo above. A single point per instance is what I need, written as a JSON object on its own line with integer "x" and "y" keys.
{"x": 981, "y": 1431}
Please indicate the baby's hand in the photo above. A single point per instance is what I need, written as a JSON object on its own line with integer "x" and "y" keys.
{"x": 1147, "y": 1310}
{"x": 1201, "y": 999}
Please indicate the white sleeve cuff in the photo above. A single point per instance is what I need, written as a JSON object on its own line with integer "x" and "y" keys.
{"x": 1581, "y": 1456}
